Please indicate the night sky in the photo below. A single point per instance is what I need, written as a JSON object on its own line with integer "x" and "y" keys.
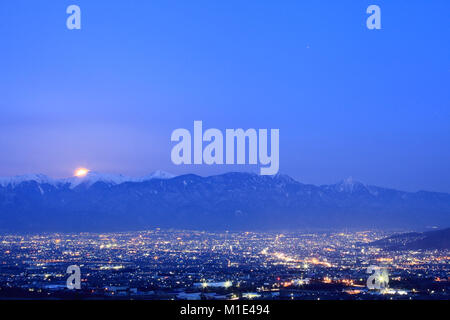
{"x": 371, "y": 104}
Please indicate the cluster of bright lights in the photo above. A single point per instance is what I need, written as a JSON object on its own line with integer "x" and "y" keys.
{"x": 226, "y": 284}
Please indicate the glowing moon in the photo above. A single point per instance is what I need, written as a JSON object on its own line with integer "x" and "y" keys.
{"x": 81, "y": 172}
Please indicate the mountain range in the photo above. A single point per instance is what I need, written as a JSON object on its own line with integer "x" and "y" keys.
{"x": 231, "y": 201}
{"x": 437, "y": 239}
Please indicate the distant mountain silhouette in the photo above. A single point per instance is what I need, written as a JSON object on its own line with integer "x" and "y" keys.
{"x": 438, "y": 239}
{"x": 232, "y": 201}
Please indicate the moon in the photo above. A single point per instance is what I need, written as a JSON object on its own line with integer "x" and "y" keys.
{"x": 81, "y": 172}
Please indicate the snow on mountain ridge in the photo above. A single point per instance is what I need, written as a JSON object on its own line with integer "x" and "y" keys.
{"x": 16, "y": 180}
{"x": 91, "y": 178}
{"x": 349, "y": 185}
{"x": 158, "y": 174}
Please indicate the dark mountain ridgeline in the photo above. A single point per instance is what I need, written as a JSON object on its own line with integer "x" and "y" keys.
{"x": 233, "y": 201}
{"x": 438, "y": 239}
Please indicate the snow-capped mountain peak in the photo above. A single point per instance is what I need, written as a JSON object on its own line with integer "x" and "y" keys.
{"x": 92, "y": 177}
{"x": 349, "y": 185}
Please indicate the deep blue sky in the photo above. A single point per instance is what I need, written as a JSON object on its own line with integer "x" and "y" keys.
{"x": 348, "y": 101}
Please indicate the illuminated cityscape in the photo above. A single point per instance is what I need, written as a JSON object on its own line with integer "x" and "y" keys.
{"x": 175, "y": 264}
